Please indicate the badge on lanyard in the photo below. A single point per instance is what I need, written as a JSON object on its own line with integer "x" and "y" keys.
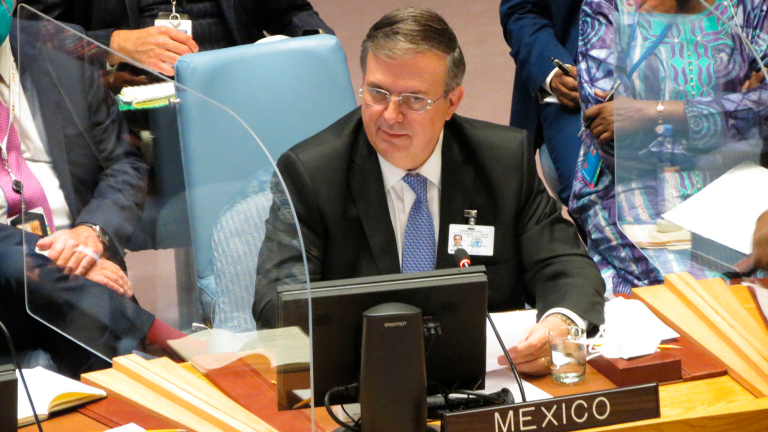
{"x": 591, "y": 168}
{"x": 180, "y": 22}
{"x": 33, "y": 222}
{"x": 475, "y": 239}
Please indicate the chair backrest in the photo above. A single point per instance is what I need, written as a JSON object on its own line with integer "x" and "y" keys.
{"x": 285, "y": 91}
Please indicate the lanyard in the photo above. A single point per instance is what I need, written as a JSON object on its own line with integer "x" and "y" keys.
{"x": 659, "y": 39}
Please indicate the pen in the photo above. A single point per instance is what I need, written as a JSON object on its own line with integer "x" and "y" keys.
{"x": 563, "y": 68}
{"x": 608, "y": 98}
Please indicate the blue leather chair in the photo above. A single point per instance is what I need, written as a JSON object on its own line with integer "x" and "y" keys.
{"x": 285, "y": 92}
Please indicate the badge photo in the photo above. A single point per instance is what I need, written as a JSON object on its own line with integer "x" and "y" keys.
{"x": 475, "y": 239}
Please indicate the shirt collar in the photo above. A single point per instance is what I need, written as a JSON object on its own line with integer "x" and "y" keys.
{"x": 6, "y": 56}
{"x": 431, "y": 169}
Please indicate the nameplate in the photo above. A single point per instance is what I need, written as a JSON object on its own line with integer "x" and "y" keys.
{"x": 567, "y": 413}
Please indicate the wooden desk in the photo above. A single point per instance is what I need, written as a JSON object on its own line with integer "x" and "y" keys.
{"x": 715, "y": 404}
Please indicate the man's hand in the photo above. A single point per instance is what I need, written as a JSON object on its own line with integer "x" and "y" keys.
{"x": 62, "y": 247}
{"x": 760, "y": 242}
{"x": 156, "y": 47}
{"x": 565, "y": 88}
{"x": 531, "y": 354}
{"x": 109, "y": 274}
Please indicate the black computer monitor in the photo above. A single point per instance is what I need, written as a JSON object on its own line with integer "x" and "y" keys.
{"x": 456, "y": 298}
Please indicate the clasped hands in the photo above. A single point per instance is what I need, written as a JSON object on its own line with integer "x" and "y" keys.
{"x": 531, "y": 355}
{"x": 78, "y": 251}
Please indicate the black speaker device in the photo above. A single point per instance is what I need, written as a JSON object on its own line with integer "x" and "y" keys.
{"x": 8, "y": 395}
{"x": 393, "y": 380}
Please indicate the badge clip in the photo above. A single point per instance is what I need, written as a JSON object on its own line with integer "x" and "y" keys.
{"x": 471, "y": 216}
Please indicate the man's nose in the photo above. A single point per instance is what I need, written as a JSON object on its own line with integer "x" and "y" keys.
{"x": 394, "y": 112}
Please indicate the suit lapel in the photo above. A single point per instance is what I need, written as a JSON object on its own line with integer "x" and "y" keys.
{"x": 457, "y": 180}
{"x": 367, "y": 186}
{"x": 50, "y": 113}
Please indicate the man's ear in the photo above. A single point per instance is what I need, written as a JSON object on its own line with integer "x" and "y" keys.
{"x": 454, "y": 100}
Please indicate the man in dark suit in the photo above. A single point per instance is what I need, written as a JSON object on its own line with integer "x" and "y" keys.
{"x": 74, "y": 144}
{"x": 378, "y": 192}
{"x": 545, "y": 101}
{"x": 127, "y": 26}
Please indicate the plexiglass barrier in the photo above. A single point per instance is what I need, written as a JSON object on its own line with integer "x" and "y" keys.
{"x": 690, "y": 116}
{"x": 156, "y": 217}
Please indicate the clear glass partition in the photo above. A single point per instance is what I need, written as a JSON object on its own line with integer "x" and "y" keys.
{"x": 690, "y": 133}
{"x": 197, "y": 219}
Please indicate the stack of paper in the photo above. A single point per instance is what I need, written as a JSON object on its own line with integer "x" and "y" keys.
{"x": 726, "y": 211}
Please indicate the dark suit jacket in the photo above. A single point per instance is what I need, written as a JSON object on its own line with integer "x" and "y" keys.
{"x": 104, "y": 181}
{"x": 536, "y": 30}
{"x": 335, "y": 183}
{"x": 101, "y": 173}
{"x": 247, "y": 19}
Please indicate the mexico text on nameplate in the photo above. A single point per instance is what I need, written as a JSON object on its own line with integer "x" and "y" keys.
{"x": 567, "y": 413}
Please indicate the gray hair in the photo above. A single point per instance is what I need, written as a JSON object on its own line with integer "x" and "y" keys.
{"x": 409, "y": 31}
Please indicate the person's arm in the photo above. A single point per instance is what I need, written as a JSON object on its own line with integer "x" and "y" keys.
{"x": 281, "y": 261}
{"x": 288, "y": 17}
{"x": 760, "y": 242}
{"x": 528, "y": 30}
{"x": 115, "y": 188}
{"x": 558, "y": 273}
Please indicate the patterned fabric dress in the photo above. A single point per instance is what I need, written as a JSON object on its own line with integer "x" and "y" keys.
{"x": 700, "y": 59}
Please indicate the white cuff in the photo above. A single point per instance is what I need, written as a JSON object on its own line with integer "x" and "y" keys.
{"x": 577, "y": 319}
{"x": 546, "y": 86}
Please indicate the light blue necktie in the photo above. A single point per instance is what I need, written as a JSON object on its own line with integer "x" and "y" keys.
{"x": 419, "y": 242}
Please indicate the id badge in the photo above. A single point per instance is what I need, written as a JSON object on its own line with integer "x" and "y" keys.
{"x": 591, "y": 168}
{"x": 475, "y": 239}
{"x": 33, "y": 222}
{"x": 181, "y": 23}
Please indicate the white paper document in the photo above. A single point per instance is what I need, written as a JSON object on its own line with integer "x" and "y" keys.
{"x": 726, "y": 211}
{"x": 511, "y": 326}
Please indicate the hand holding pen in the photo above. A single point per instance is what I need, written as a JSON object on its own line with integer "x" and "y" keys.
{"x": 586, "y": 124}
{"x": 564, "y": 86}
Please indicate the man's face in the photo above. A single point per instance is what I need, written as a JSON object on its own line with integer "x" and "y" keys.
{"x": 457, "y": 240}
{"x": 403, "y": 138}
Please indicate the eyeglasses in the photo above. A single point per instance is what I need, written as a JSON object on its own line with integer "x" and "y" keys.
{"x": 409, "y": 102}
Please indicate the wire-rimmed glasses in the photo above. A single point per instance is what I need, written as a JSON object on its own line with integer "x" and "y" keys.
{"x": 409, "y": 102}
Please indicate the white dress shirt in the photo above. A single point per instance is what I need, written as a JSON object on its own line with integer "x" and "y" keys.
{"x": 32, "y": 148}
{"x": 400, "y": 199}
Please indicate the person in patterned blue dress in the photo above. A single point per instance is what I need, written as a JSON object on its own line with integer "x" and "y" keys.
{"x": 687, "y": 85}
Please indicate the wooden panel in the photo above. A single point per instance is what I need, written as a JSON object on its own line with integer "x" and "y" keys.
{"x": 744, "y": 297}
{"x": 718, "y": 296}
{"x": 675, "y": 314}
{"x": 683, "y": 285}
{"x": 120, "y": 386}
{"x": 114, "y": 412}
{"x": 593, "y": 381}
{"x": 173, "y": 382}
{"x": 745, "y": 416}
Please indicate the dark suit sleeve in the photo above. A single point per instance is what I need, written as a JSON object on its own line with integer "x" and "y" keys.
{"x": 557, "y": 269}
{"x": 529, "y": 32}
{"x": 281, "y": 261}
{"x": 288, "y": 17}
{"x": 69, "y": 11}
{"x": 121, "y": 184}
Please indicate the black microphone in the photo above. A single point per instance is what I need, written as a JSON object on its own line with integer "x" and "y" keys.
{"x": 463, "y": 260}
{"x": 462, "y": 257}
